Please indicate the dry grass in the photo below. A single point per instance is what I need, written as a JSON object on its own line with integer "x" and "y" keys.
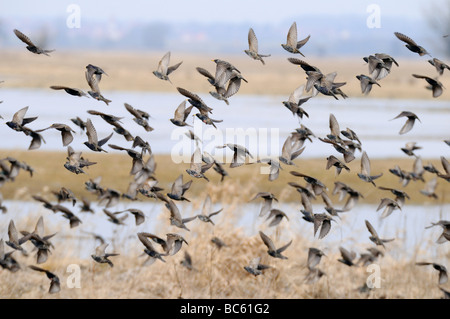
{"x": 243, "y": 182}
{"x": 218, "y": 273}
{"x": 132, "y": 71}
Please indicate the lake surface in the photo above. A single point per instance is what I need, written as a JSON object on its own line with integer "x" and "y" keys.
{"x": 259, "y": 122}
{"x": 406, "y": 226}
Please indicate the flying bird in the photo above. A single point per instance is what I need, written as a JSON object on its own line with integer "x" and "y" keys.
{"x": 411, "y": 44}
{"x": 69, "y": 90}
{"x": 93, "y": 143}
{"x": 101, "y": 256}
{"x": 30, "y": 45}
{"x": 292, "y": 45}
{"x": 365, "y": 170}
{"x": 443, "y": 277}
{"x": 253, "y": 47}
{"x": 255, "y": 267}
{"x": 268, "y": 199}
{"x": 375, "y": 238}
{"x": 434, "y": 85}
{"x": 439, "y": 65}
{"x": 164, "y": 70}
{"x": 272, "y": 250}
{"x": 55, "y": 285}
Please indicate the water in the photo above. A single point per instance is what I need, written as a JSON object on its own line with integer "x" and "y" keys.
{"x": 406, "y": 226}
{"x": 254, "y": 114}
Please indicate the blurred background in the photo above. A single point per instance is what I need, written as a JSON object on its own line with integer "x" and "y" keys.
{"x": 338, "y": 28}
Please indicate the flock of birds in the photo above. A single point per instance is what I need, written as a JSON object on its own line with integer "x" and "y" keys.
{"x": 226, "y": 82}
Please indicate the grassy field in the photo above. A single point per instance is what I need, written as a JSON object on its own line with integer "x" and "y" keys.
{"x": 243, "y": 182}
{"x": 133, "y": 71}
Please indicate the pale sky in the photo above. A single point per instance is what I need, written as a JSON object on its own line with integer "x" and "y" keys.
{"x": 238, "y": 11}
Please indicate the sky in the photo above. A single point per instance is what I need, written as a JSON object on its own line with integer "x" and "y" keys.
{"x": 238, "y": 11}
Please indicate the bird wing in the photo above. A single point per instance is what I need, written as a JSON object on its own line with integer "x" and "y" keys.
{"x": 267, "y": 241}
{"x": 371, "y": 229}
{"x": 252, "y": 41}
{"x": 405, "y": 38}
{"x": 91, "y": 132}
{"x": 164, "y": 64}
{"x": 365, "y": 164}
{"x": 172, "y": 68}
{"x": 23, "y": 38}
{"x": 291, "y": 39}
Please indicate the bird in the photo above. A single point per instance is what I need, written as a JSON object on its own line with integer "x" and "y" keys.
{"x": 18, "y": 121}
{"x": 207, "y": 120}
{"x": 75, "y": 162}
{"x": 164, "y": 70}
{"x": 79, "y": 122}
{"x": 410, "y": 147}
{"x": 66, "y": 132}
{"x": 292, "y": 148}
{"x": 276, "y": 215}
{"x": 65, "y": 194}
{"x": 93, "y": 78}
{"x": 69, "y": 90}
{"x": 347, "y": 257}
{"x": 7, "y": 261}
{"x": 138, "y": 215}
{"x": 181, "y": 114}
{"x": 389, "y": 206}
{"x": 14, "y": 241}
{"x": 334, "y": 161}
{"x": 239, "y": 154}
{"x": 253, "y": 47}
{"x": 55, "y": 285}
{"x": 365, "y": 170}
{"x": 93, "y": 70}
{"x": 322, "y": 221}
{"x": 375, "y": 238}
{"x": 411, "y": 45}
{"x": 196, "y": 168}
{"x": 149, "y": 249}
{"x": 86, "y": 205}
{"x": 171, "y": 245}
{"x": 317, "y": 186}
{"x": 272, "y": 250}
{"x": 400, "y": 195}
{"x": 445, "y": 235}
{"x": 434, "y": 85}
{"x": 207, "y": 213}
{"x": 255, "y": 267}
{"x": 113, "y": 218}
{"x": 439, "y": 65}
{"x": 314, "y": 257}
{"x": 195, "y": 100}
{"x": 101, "y": 256}
{"x": 366, "y": 83}
{"x": 74, "y": 221}
{"x": 178, "y": 189}
{"x": 268, "y": 199}
{"x": 175, "y": 215}
{"x": 218, "y": 242}
{"x": 30, "y": 45}
{"x": 429, "y": 189}
{"x": 295, "y": 101}
{"x": 380, "y": 65}
{"x": 93, "y": 143}
{"x": 292, "y": 45}
{"x": 187, "y": 261}
{"x": 137, "y": 160}
{"x": 140, "y": 117}
{"x": 443, "y": 277}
